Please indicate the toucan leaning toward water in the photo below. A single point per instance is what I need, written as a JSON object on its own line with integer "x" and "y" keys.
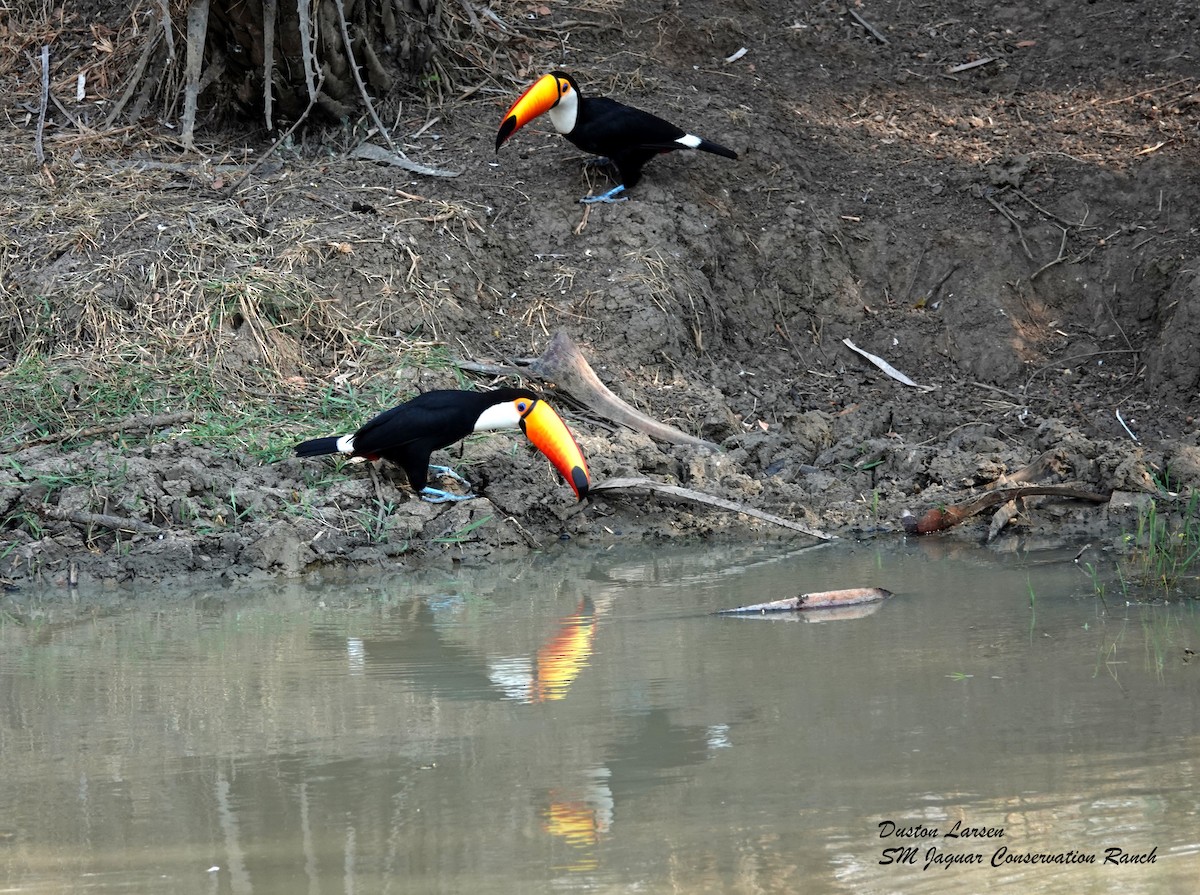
{"x": 408, "y": 434}
{"x": 628, "y": 137}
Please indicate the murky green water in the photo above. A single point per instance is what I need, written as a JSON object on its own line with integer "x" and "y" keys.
{"x": 579, "y": 722}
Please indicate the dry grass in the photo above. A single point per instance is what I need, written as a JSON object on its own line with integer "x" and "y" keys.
{"x": 130, "y": 279}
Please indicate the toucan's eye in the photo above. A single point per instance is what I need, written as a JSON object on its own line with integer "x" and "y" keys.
{"x": 521, "y": 406}
{"x": 566, "y": 88}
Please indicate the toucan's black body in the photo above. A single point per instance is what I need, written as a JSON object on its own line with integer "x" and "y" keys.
{"x": 626, "y": 136}
{"x": 408, "y": 435}
{"x": 629, "y": 137}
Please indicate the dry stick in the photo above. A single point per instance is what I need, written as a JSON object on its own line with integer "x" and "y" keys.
{"x": 157, "y": 421}
{"x": 869, "y": 27}
{"x": 913, "y": 280}
{"x": 117, "y": 523}
{"x": 1012, "y": 220}
{"x": 397, "y": 157}
{"x": 139, "y": 70}
{"x": 197, "y": 30}
{"x": 941, "y": 518}
{"x": 640, "y": 484}
{"x": 39, "y": 151}
{"x": 258, "y": 163}
{"x": 1061, "y": 257}
{"x": 303, "y": 10}
{"x": 1057, "y": 362}
{"x": 165, "y": 19}
{"x": 942, "y": 282}
{"x": 1051, "y": 214}
{"x": 270, "y": 10}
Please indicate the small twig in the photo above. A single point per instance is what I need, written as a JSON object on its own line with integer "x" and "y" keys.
{"x": 139, "y": 70}
{"x": 397, "y": 158}
{"x": 967, "y": 66}
{"x": 358, "y": 79}
{"x": 583, "y": 221}
{"x": 942, "y": 282}
{"x": 261, "y": 160}
{"x": 1121, "y": 420}
{"x": 165, "y": 19}
{"x": 1051, "y": 214}
{"x": 39, "y": 151}
{"x": 913, "y": 279}
{"x": 1012, "y": 220}
{"x": 870, "y": 29}
{"x": 1074, "y": 357}
{"x": 1061, "y": 258}
{"x": 487, "y": 369}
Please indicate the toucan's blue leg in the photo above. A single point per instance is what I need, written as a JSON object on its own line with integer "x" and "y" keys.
{"x": 606, "y": 197}
{"x": 447, "y": 471}
{"x": 437, "y": 495}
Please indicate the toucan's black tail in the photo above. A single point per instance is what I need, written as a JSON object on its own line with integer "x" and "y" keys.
{"x": 716, "y": 149}
{"x": 317, "y": 446}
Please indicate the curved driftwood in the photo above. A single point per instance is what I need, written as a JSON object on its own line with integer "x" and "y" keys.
{"x": 563, "y": 364}
{"x": 637, "y": 484}
{"x": 941, "y": 518}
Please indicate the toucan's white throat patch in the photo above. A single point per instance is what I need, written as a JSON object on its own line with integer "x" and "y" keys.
{"x": 564, "y": 113}
{"x": 499, "y": 416}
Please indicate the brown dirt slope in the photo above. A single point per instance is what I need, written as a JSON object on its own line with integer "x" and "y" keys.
{"x": 999, "y": 202}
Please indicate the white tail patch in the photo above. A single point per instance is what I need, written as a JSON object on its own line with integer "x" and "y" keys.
{"x": 345, "y": 444}
{"x": 691, "y": 141}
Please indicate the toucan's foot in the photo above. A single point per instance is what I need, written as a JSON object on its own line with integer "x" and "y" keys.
{"x": 607, "y": 198}
{"x": 437, "y": 495}
{"x": 447, "y": 471}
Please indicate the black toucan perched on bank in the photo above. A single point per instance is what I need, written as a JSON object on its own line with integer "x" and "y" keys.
{"x": 407, "y": 435}
{"x": 628, "y": 137}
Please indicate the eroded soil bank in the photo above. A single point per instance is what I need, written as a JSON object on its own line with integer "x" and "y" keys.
{"x": 1018, "y": 236}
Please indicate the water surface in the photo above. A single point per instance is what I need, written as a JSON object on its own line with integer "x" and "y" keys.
{"x": 580, "y": 721}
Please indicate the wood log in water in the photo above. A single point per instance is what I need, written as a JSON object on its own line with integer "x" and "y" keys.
{"x": 825, "y": 599}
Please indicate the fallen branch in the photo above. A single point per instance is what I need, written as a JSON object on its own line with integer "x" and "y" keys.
{"x": 116, "y": 523}
{"x": 39, "y": 151}
{"x": 825, "y": 599}
{"x": 372, "y": 153}
{"x": 941, "y": 518}
{"x": 649, "y": 485}
{"x": 563, "y": 364}
{"x": 157, "y": 421}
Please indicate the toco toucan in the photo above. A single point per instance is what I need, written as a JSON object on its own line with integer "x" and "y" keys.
{"x": 629, "y": 137}
{"x": 408, "y": 434}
